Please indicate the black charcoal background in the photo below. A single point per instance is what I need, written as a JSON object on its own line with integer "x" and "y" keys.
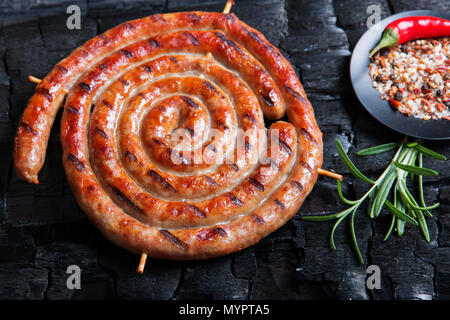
{"x": 42, "y": 230}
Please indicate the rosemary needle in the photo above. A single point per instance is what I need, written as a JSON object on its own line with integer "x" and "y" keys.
{"x": 404, "y": 209}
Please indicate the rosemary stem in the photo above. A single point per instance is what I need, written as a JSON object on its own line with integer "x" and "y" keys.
{"x": 383, "y": 175}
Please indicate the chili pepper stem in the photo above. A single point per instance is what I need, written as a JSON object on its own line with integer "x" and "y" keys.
{"x": 389, "y": 38}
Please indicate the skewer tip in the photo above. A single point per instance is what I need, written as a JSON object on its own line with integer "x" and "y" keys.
{"x": 142, "y": 262}
{"x": 228, "y": 6}
{"x": 330, "y": 174}
{"x": 34, "y": 79}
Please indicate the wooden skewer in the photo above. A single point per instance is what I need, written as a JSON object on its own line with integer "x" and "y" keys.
{"x": 226, "y": 10}
{"x": 142, "y": 262}
{"x": 330, "y": 174}
{"x": 34, "y": 79}
{"x": 228, "y": 6}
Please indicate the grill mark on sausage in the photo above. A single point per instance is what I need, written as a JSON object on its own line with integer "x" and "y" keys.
{"x": 85, "y": 87}
{"x": 267, "y": 100}
{"x": 197, "y": 211}
{"x": 173, "y": 239}
{"x": 256, "y": 37}
{"x": 253, "y": 35}
{"x": 191, "y": 131}
{"x": 124, "y": 82}
{"x": 308, "y": 135}
{"x": 61, "y": 68}
{"x": 190, "y": 102}
{"x": 222, "y": 125}
{"x": 229, "y": 16}
{"x": 192, "y": 38}
{"x": 297, "y": 184}
{"x": 103, "y": 37}
{"x": 285, "y": 147}
{"x": 210, "y": 180}
{"x": 158, "y": 142}
{"x": 154, "y": 43}
{"x": 148, "y": 68}
{"x": 307, "y": 166}
{"x": 161, "y": 180}
{"x": 73, "y": 110}
{"x": 207, "y": 234}
{"x": 107, "y": 104}
{"x": 278, "y": 202}
{"x": 101, "y": 132}
{"x": 173, "y": 59}
{"x": 229, "y": 42}
{"x": 44, "y": 92}
{"x": 213, "y": 88}
{"x": 28, "y": 128}
{"x": 235, "y": 200}
{"x": 123, "y": 198}
{"x": 234, "y": 167}
{"x": 251, "y": 118}
{"x": 158, "y": 18}
{"x": 78, "y": 164}
{"x": 210, "y": 86}
{"x": 130, "y": 156}
{"x": 296, "y": 95}
{"x": 221, "y": 36}
{"x": 258, "y": 219}
{"x": 84, "y": 53}
{"x": 160, "y": 108}
{"x": 247, "y": 146}
{"x": 256, "y": 183}
{"x": 126, "y": 53}
{"x": 194, "y": 18}
{"x": 128, "y": 25}
{"x": 220, "y": 232}
{"x": 102, "y": 66}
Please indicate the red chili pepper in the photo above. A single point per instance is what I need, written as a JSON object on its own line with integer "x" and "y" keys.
{"x": 411, "y": 28}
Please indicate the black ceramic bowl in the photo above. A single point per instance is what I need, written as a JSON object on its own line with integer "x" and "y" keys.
{"x": 370, "y": 97}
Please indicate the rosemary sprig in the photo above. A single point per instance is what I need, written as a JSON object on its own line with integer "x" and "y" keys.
{"x": 404, "y": 209}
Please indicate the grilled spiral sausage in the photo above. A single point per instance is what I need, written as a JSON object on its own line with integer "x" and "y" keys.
{"x": 128, "y": 91}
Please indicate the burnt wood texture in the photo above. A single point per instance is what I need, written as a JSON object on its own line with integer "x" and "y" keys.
{"x": 42, "y": 230}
